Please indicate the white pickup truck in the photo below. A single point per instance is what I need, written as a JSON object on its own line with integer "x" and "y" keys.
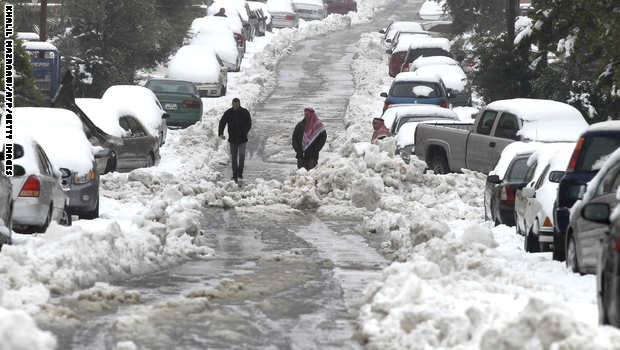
{"x": 450, "y": 148}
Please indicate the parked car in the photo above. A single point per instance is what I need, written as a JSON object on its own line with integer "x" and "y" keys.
{"x": 402, "y": 36}
{"x": 426, "y": 47}
{"x": 214, "y": 32}
{"x": 137, "y": 147}
{"x": 258, "y": 17}
{"x": 607, "y": 273}
{"x": 504, "y": 180}
{"x": 310, "y": 10}
{"x": 596, "y": 143}
{"x": 340, "y": 6}
{"x": 432, "y": 10}
{"x": 6, "y": 191}
{"x": 402, "y": 120}
{"x": 583, "y": 236}
{"x": 399, "y": 51}
{"x": 235, "y": 24}
{"x": 141, "y": 103}
{"x": 282, "y": 14}
{"x": 399, "y": 26}
{"x": 39, "y": 197}
{"x": 456, "y": 82}
{"x": 60, "y": 133}
{"x": 534, "y": 202}
{"x": 411, "y": 87}
{"x": 237, "y": 11}
{"x": 448, "y": 148}
{"x": 180, "y": 100}
{"x": 439, "y": 27}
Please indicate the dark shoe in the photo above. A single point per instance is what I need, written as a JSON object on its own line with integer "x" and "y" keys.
{"x": 241, "y": 176}
{"x": 234, "y": 179}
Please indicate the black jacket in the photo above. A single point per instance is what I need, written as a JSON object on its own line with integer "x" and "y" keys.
{"x": 315, "y": 146}
{"x": 239, "y": 125}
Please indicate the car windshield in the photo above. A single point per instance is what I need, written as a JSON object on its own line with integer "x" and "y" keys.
{"x": 595, "y": 152}
{"x": 172, "y": 87}
{"x": 518, "y": 171}
{"x": 415, "y": 89}
{"x": 427, "y": 52}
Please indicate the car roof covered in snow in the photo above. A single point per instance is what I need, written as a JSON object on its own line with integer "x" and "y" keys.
{"x": 431, "y": 42}
{"x": 413, "y": 76}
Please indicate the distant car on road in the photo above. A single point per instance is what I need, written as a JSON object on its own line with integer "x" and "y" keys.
{"x": 340, "y": 6}
{"x": 180, "y": 99}
{"x": 282, "y": 14}
{"x": 310, "y": 10}
{"x": 213, "y": 31}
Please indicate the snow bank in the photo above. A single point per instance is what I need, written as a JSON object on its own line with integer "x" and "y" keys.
{"x": 18, "y": 331}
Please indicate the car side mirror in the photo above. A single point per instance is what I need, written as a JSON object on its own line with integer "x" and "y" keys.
{"x": 64, "y": 172}
{"x": 494, "y": 179}
{"x": 555, "y": 176}
{"x": 382, "y": 31}
{"x": 383, "y": 94}
{"x": 18, "y": 151}
{"x": 596, "y": 212}
{"x": 103, "y": 153}
{"x": 165, "y": 116}
{"x": 18, "y": 170}
{"x": 388, "y": 40}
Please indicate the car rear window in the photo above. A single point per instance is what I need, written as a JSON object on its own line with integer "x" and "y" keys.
{"x": 595, "y": 151}
{"x": 414, "y": 89}
{"x": 518, "y": 170}
{"x": 171, "y": 87}
{"x": 427, "y": 52}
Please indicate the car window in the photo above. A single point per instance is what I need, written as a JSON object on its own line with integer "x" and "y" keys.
{"x": 507, "y": 127}
{"x": 518, "y": 170}
{"x": 44, "y": 167}
{"x": 609, "y": 183}
{"x": 136, "y": 127}
{"x": 530, "y": 172}
{"x": 542, "y": 177}
{"x": 595, "y": 151}
{"x": 486, "y": 122}
{"x": 415, "y": 89}
{"x": 412, "y": 55}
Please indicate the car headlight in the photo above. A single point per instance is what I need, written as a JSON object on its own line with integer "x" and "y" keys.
{"x": 82, "y": 179}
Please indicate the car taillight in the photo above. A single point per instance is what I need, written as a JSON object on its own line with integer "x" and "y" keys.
{"x": 444, "y": 104}
{"x": 618, "y": 244}
{"x": 507, "y": 195}
{"x": 573, "y": 159}
{"x": 31, "y": 188}
{"x": 289, "y": 18}
{"x": 191, "y": 104}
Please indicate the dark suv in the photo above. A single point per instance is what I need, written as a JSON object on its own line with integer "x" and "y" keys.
{"x": 593, "y": 147}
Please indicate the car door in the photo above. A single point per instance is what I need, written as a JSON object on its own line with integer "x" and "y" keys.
{"x": 591, "y": 233}
{"x": 139, "y": 143}
{"x": 522, "y": 197}
{"x": 504, "y": 133}
{"x": 480, "y": 143}
{"x": 58, "y": 195}
{"x": 46, "y": 178}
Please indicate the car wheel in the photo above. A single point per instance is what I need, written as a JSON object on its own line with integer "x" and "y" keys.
{"x": 571, "y": 255}
{"x": 439, "y": 164}
{"x": 530, "y": 243}
{"x": 603, "y": 301}
{"x": 66, "y": 219}
{"x": 91, "y": 214}
{"x": 150, "y": 161}
{"x": 43, "y": 228}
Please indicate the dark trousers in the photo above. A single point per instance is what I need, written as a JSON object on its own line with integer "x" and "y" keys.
{"x": 308, "y": 161}
{"x": 237, "y": 156}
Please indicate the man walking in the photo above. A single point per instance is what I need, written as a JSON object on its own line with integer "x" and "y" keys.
{"x": 239, "y": 124}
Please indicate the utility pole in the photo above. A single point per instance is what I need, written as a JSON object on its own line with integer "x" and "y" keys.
{"x": 511, "y": 13}
{"x": 43, "y": 21}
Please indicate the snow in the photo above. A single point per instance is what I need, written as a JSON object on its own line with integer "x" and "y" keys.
{"x": 280, "y": 6}
{"x": 432, "y": 10}
{"x": 416, "y": 109}
{"x": 259, "y": 5}
{"x": 28, "y": 36}
{"x": 234, "y": 9}
{"x": 60, "y": 134}
{"x": 406, "y": 133}
{"x": 102, "y": 114}
{"x": 405, "y": 40}
{"x": 432, "y": 61}
{"x": 413, "y": 76}
{"x": 39, "y": 45}
{"x": 137, "y": 101}
{"x": 523, "y": 28}
{"x": 544, "y": 120}
{"x": 606, "y": 125}
{"x": 403, "y": 27}
{"x": 455, "y": 283}
{"x": 214, "y": 32}
{"x": 452, "y": 75}
{"x": 195, "y": 63}
{"x": 431, "y": 42}
{"x": 612, "y": 160}
{"x": 510, "y": 152}
{"x": 317, "y": 3}
{"x": 28, "y": 161}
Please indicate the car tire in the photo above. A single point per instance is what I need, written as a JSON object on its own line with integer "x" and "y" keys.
{"x": 530, "y": 243}
{"x": 439, "y": 164}
{"x": 603, "y": 318}
{"x": 48, "y": 219}
{"x": 571, "y": 255}
{"x": 558, "y": 248}
{"x": 66, "y": 219}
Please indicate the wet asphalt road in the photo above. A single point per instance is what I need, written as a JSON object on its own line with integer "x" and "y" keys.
{"x": 277, "y": 280}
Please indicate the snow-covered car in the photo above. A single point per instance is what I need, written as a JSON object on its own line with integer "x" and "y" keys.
{"x": 6, "y": 193}
{"x": 200, "y": 65}
{"x": 310, "y": 10}
{"x": 402, "y": 119}
{"x": 236, "y": 11}
{"x": 459, "y": 90}
{"x": 60, "y": 133}
{"x": 426, "y": 47}
{"x": 282, "y": 14}
{"x": 400, "y": 26}
{"x": 340, "y": 6}
{"x": 136, "y": 149}
{"x": 584, "y": 236}
{"x": 180, "y": 99}
{"x": 214, "y": 32}
{"x": 261, "y": 8}
{"x": 534, "y": 202}
{"x": 432, "y": 10}
{"x": 39, "y": 197}
{"x": 412, "y": 87}
{"x": 141, "y": 103}
{"x": 398, "y": 52}
{"x": 432, "y": 61}
{"x": 439, "y": 27}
